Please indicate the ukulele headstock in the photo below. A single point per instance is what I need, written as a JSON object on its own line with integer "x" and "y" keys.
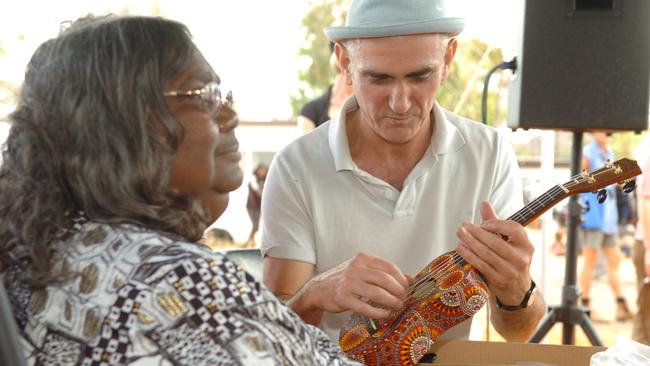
{"x": 620, "y": 171}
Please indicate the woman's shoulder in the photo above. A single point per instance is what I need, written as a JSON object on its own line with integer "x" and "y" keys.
{"x": 128, "y": 253}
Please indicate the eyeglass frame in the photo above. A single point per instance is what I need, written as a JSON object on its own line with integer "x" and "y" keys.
{"x": 205, "y": 93}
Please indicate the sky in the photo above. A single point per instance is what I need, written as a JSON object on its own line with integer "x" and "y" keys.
{"x": 252, "y": 44}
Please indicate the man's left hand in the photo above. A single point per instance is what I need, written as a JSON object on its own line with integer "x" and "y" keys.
{"x": 503, "y": 259}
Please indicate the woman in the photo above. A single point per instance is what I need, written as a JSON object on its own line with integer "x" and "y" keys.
{"x": 120, "y": 154}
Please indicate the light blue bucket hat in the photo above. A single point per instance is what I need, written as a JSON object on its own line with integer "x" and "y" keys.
{"x": 386, "y": 18}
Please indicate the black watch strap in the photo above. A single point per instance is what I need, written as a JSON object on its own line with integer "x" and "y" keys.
{"x": 524, "y": 302}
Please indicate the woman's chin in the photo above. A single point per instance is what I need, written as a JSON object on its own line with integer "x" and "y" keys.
{"x": 234, "y": 181}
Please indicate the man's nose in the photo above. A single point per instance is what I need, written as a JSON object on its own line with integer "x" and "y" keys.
{"x": 399, "y": 98}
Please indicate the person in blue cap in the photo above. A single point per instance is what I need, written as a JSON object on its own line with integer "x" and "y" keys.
{"x": 352, "y": 210}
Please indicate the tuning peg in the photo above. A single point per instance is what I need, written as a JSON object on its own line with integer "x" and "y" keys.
{"x": 602, "y": 196}
{"x": 629, "y": 186}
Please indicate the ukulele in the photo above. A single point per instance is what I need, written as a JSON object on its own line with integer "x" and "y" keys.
{"x": 449, "y": 290}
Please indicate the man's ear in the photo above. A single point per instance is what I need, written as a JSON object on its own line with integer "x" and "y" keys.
{"x": 343, "y": 61}
{"x": 450, "y": 52}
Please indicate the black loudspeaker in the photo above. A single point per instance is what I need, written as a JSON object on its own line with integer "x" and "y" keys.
{"x": 582, "y": 65}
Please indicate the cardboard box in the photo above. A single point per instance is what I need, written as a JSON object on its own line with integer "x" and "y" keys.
{"x": 468, "y": 353}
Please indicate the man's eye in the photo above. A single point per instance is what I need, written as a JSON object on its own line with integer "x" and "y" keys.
{"x": 423, "y": 77}
{"x": 377, "y": 79}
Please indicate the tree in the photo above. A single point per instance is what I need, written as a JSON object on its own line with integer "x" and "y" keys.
{"x": 462, "y": 91}
{"x": 315, "y": 79}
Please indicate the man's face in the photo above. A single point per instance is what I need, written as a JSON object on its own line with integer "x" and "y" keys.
{"x": 395, "y": 81}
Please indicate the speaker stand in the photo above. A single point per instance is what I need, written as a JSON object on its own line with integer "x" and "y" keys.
{"x": 569, "y": 313}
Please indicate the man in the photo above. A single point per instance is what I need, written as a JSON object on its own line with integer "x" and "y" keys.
{"x": 357, "y": 206}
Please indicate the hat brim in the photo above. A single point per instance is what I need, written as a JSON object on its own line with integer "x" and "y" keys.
{"x": 447, "y": 25}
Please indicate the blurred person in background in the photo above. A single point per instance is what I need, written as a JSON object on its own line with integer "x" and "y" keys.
{"x": 600, "y": 229}
{"x": 318, "y": 111}
{"x": 641, "y": 248}
{"x": 254, "y": 201}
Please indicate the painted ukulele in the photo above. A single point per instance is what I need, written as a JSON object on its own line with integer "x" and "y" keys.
{"x": 449, "y": 290}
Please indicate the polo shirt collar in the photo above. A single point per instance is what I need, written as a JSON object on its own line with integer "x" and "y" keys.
{"x": 446, "y": 137}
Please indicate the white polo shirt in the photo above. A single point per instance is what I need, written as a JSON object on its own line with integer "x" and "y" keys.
{"x": 319, "y": 207}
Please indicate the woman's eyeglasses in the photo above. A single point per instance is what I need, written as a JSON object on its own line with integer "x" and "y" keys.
{"x": 210, "y": 96}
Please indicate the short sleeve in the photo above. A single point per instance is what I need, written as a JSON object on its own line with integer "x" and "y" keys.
{"x": 287, "y": 227}
{"x": 507, "y": 192}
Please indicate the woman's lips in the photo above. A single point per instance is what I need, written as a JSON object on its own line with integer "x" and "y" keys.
{"x": 231, "y": 151}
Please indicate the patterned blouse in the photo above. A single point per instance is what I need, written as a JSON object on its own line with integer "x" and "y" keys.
{"x": 142, "y": 298}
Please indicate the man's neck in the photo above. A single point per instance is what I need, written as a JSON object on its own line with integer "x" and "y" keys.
{"x": 390, "y": 162}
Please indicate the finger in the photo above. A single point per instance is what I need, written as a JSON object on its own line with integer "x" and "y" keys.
{"x": 510, "y": 231}
{"x": 487, "y": 212}
{"x": 516, "y": 253}
{"x": 506, "y": 247}
{"x": 362, "y": 307}
{"x": 410, "y": 278}
{"x": 372, "y": 278}
{"x": 492, "y": 223}
{"x": 378, "y": 296}
{"x": 384, "y": 266}
{"x": 479, "y": 255}
{"x": 486, "y": 238}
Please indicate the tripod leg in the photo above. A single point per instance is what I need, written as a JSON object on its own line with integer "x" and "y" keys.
{"x": 544, "y": 327}
{"x": 589, "y": 330}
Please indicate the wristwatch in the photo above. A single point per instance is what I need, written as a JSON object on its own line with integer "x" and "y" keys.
{"x": 523, "y": 304}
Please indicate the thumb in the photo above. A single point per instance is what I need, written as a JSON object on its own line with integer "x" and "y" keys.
{"x": 487, "y": 212}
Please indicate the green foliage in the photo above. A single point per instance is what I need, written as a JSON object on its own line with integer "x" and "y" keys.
{"x": 463, "y": 89}
{"x": 318, "y": 75}
{"x": 624, "y": 143}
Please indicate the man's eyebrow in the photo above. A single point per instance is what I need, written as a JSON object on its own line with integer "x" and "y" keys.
{"x": 374, "y": 74}
{"x": 421, "y": 72}
{"x": 414, "y": 74}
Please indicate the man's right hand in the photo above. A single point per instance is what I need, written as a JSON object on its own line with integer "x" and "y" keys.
{"x": 348, "y": 286}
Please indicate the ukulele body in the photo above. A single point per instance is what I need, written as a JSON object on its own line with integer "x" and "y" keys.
{"x": 450, "y": 292}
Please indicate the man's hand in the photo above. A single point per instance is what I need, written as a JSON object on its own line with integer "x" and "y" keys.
{"x": 504, "y": 260}
{"x": 350, "y": 286}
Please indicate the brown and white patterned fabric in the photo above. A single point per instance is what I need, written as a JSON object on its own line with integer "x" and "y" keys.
{"x": 143, "y": 298}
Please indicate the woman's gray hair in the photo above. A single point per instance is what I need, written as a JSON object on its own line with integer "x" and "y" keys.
{"x": 91, "y": 136}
